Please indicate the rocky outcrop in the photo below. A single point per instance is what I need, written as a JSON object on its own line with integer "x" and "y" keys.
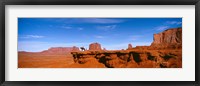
{"x": 131, "y": 58}
{"x": 170, "y": 36}
{"x": 130, "y": 46}
{"x": 60, "y": 50}
{"x": 74, "y": 48}
{"x": 95, "y": 46}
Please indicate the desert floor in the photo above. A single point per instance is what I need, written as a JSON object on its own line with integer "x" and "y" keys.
{"x": 35, "y": 60}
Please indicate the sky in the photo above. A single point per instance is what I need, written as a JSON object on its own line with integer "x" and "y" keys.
{"x": 38, "y": 34}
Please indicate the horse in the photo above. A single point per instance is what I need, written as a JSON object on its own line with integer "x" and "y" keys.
{"x": 82, "y": 48}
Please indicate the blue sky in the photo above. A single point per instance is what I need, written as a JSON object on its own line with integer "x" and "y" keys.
{"x": 38, "y": 34}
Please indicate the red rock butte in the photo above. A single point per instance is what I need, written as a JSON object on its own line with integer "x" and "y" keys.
{"x": 170, "y": 36}
{"x": 95, "y": 46}
{"x": 130, "y": 46}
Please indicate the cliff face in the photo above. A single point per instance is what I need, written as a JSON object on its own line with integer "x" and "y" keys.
{"x": 95, "y": 46}
{"x": 60, "y": 50}
{"x": 130, "y": 58}
{"x": 168, "y": 39}
{"x": 170, "y": 36}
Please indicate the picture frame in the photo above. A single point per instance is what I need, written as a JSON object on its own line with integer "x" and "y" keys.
{"x": 99, "y": 2}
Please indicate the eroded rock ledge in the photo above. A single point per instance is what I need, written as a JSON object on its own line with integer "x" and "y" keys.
{"x": 131, "y": 58}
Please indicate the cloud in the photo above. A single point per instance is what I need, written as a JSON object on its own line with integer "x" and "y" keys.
{"x": 167, "y": 25}
{"x": 106, "y": 28}
{"x": 173, "y": 22}
{"x": 160, "y": 28}
{"x": 102, "y": 20}
{"x": 31, "y": 36}
{"x": 99, "y": 37}
{"x": 135, "y": 37}
{"x": 66, "y": 27}
{"x": 86, "y": 20}
{"x": 80, "y": 28}
{"x": 50, "y": 25}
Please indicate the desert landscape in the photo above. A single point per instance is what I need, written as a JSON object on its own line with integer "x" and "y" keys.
{"x": 164, "y": 52}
